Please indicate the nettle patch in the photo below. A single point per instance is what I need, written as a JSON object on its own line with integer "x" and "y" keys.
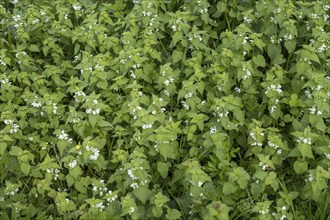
{"x": 164, "y": 109}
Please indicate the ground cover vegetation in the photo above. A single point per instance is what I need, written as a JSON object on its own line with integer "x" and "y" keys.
{"x": 183, "y": 109}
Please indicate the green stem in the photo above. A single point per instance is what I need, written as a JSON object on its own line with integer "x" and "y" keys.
{"x": 176, "y": 200}
{"x": 288, "y": 61}
{"x": 228, "y": 23}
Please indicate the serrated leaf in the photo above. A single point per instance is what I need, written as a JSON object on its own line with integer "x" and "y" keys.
{"x": 25, "y": 167}
{"x": 93, "y": 119}
{"x": 34, "y": 48}
{"x": 162, "y": 168}
{"x": 168, "y": 150}
{"x": 177, "y": 56}
{"x": 300, "y": 167}
{"x": 229, "y": 188}
{"x": 259, "y": 61}
{"x": 143, "y": 194}
{"x": 173, "y": 214}
{"x": 70, "y": 180}
{"x": 305, "y": 150}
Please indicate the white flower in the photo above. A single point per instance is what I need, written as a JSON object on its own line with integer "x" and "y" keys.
{"x": 200, "y": 183}
{"x": 63, "y": 135}
{"x": 8, "y": 121}
{"x": 131, "y": 210}
{"x": 130, "y": 173}
{"x": 2, "y": 64}
{"x": 247, "y": 20}
{"x": 304, "y": 140}
{"x": 79, "y": 96}
{"x": 185, "y": 105}
{"x": 36, "y": 104}
{"x": 95, "y": 151}
{"x": 35, "y": 21}
{"x": 14, "y": 2}
{"x": 30, "y": 138}
{"x": 15, "y": 128}
{"x": 272, "y": 109}
{"x": 134, "y": 185}
{"x": 274, "y": 88}
{"x": 283, "y": 208}
{"x": 76, "y": 7}
{"x": 322, "y": 48}
{"x": 327, "y": 156}
{"x": 213, "y": 130}
{"x": 203, "y": 11}
{"x": 72, "y": 164}
{"x": 310, "y": 178}
{"x": 99, "y": 206}
{"x": 247, "y": 73}
{"x": 283, "y": 217}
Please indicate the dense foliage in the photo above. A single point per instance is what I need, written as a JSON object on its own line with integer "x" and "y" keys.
{"x": 152, "y": 109}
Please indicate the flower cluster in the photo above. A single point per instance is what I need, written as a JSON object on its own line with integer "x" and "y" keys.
{"x": 304, "y": 140}
{"x": 35, "y": 103}
{"x": 111, "y": 197}
{"x": 247, "y": 19}
{"x": 15, "y": 127}
{"x": 79, "y": 96}
{"x": 310, "y": 178}
{"x": 277, "y": 88}
{"x": 134, "y": 110}
{"x": 276, "y": 147}
{"x": 147, "y": 126}
{"x": 95, "y": 151}
{"x": 264, "y": 166}
{"x": 92, "y": 110}
{"x": 72, "y": 164}
{"x": 2, "y": 63}
{"x": 256, "y": 142}
{"x": 314, "y": 111}
{"x": 12, "y": 190}
{"x": 247, "y": 73}
{"x": 99, "y": 206}
{"x": 100, "y": 189}
{"x": 54, "y": 171}
{"x": 76, "y": 7}
{"x": 131, "y": 210}
{"x": 213, "y": 129}
{"x": 64, "y": 136}
{"x": 135, "y": 185}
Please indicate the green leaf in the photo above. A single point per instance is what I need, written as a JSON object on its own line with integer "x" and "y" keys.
{"x": 300, "y": 167}
{"x": 103, "y": 123}
{"x": 157, "y": 211}
{"x": 162, "y": 168}
{"x": 306, "y": 150}
{"x": 290, "y": 45}
{"x": 176, "y": 37}
{"x": 75, "y": 172}
{"x": 177, "y": 56}
{"x": 168, "y": 150}
{"x": 301, "y": 67}
{"x": 317, "y": 122}
{"x": 93, "y": 119}
{"x": 34, "y": 48}
{"x": 143, "y": 194}
{"x": 25, "y": 167}
{"x": 70, "y": 180}
{"x": 173, "y": 214}
{"x": 270, "y": 178}
{"x": 229, "y": 188}
{"x": 259, "y": 61}
{"x": 15, "y": 151}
